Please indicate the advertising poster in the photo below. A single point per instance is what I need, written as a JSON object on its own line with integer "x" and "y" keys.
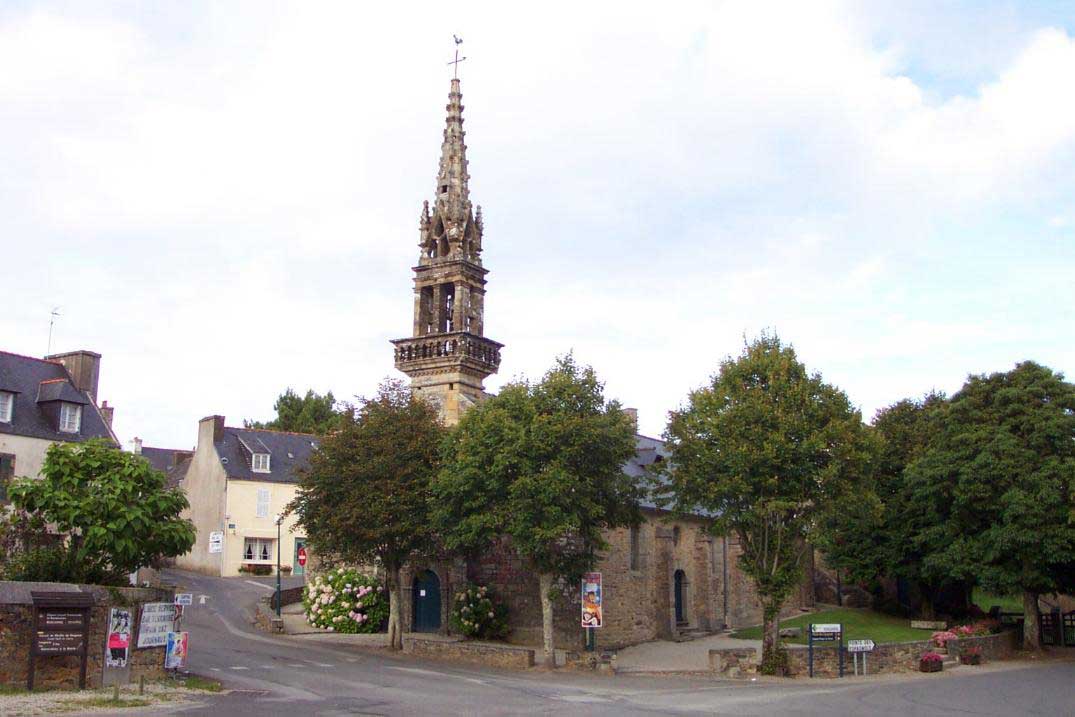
{"x": 119, "y": 637}
{"x": 158, "y": 619}
{"x": 175, "y": 655}
{"x": 592, "y": 594}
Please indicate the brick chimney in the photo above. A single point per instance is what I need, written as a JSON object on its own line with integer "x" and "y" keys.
{"x": 107, "y": 412}
{"x": 84, "y": 367}
{"x": 633, "y": 413}
{"x": 137, "y": 450}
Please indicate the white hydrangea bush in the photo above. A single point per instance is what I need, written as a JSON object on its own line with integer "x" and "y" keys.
{"x": 345, "y": 600}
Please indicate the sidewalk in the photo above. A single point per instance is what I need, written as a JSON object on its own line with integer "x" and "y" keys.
{"x": 667, "y": 656}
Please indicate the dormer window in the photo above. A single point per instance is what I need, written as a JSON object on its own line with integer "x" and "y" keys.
{"x": 7, "y": 406}
{"x": 261, "y": 463}
{"x": 70, "y": 417}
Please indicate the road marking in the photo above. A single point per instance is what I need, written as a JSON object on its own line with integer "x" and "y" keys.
{"x": 239, "y": 667}
{"x": 268, "y": 667}
{"x": 418, "y": 671}
{"x": 323, "y": 664}
{"x": 215, "y": 669}
{"x": 352, "y": 659}
{"x": 261, "y": 585}
{"x": 295, "y": 664}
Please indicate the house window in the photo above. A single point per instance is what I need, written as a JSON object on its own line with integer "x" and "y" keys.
{"x": 7, "y": 406}
{"x": 70, "y": 417}
{"x": 636, "y": 558}
{"x": 261, "y": 462}
{"x": 263, "y": 502}
{"x": 7, "y": 472}
{"x": 258, "y": 549}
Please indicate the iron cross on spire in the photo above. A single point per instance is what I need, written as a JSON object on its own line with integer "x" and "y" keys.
{"x": 458, "y": 59}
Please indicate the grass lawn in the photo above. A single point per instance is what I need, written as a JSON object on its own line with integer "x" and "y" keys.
{"x": 859, "y": 624}
{"x": 1010, "y": 603}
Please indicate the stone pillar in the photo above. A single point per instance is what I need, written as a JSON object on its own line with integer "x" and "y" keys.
{"x": 663, "y": 584}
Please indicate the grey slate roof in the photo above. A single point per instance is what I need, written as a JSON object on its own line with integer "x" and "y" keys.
{"x": 289, "y": 452}
{"x": 647, "y": 452}
{"x": 165, "y": 460}
{"x": 29, "y": 378}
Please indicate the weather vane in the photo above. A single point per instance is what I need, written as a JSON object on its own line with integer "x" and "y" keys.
{"x": 458, "y": 59}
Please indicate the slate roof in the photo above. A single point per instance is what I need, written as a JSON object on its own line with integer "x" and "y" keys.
{"x": 164, "y": 460}
{"x": 289, "y": 452}
{"x": 647, "y": 452}
{"x": 33, "y": 380}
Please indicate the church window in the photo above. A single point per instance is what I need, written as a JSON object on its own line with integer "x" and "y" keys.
{"x": 636, "y": 557}
{"x": 675, "y": 535}
{"x": 443, "y": 188}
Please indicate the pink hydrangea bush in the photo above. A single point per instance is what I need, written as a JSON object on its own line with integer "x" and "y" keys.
{"x": 940, "y": 639}
{"x": 931, "y": 657}
{"x": 345, "y": 600}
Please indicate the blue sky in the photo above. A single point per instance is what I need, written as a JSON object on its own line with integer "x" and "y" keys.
{"x": 223, "y": 198}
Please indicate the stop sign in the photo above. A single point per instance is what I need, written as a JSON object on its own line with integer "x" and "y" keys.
{"x": 302, "y": 556}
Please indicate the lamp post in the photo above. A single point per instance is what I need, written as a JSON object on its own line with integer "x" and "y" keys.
{"x": 279, "y": 519}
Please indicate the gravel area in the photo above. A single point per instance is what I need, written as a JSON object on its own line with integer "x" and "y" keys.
{"x": 17, "y": 704}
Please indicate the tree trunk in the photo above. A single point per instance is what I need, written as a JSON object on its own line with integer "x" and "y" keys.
{"x": 926, "y": 609}
{"x": 545, "y": 586}
{"x": 771, "y": 659}
{"x": 1031, "y": 621}
{"x": 395, "y": 599}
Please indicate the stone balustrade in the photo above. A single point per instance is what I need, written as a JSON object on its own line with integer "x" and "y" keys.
{"x": 451, "y": 345}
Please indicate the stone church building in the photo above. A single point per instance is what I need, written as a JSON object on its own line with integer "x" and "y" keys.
{"x": 662, "y": 579}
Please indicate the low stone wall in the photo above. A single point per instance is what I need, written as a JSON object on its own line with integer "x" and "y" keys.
{"x": 891, "y": 657}
{"x": 287, "y": 597}
{"x": 485, "y": 653}
{"x": 53, "y": 672}
{"x": 265, "y": 615}
{"x": 735, "y": 661}
{"x": 993, "y": 647}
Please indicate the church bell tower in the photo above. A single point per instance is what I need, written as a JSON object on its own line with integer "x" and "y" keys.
{"x": 447, "y": 356}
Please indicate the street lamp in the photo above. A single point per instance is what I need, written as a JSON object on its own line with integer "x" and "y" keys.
{"x": 279, "y": 519}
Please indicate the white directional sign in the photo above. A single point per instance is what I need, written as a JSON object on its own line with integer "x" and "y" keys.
{"x": 825, "y": 627}
{"x": 184, "y": 599}
{"x": 216, "y": 541}
{"x": 860, "y": 645}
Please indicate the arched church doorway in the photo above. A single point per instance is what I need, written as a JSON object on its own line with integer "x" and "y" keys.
{"x": 425, "y": 597}
{"x": 680, "y": 588}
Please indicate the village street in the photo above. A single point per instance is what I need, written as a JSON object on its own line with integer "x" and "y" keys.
{"x": 271, "y": 675}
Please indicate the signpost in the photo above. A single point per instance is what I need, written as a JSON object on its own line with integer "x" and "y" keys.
{"x": 826, "y": 632}
{"x": 216, "y": 541}
{"x": 860, "y": 647}
{"x": 61, "y": 627}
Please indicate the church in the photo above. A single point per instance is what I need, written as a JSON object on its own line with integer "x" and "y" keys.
{"x": 668, "y": 578}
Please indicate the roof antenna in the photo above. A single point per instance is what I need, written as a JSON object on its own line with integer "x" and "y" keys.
{"x": 458, "y": 59}
{"x": 55, "y": 313}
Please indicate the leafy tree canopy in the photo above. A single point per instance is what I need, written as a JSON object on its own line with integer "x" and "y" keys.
{"x": 364, "y": 497}
{"x": 1003, "y": 465}
{"x": 312, "y": 413}
{"x": 543, "y": 465}
{"x": 767, "y": 448}
{"x": 113, "y": 508}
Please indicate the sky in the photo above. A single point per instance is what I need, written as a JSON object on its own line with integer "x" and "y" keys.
{"x": 223, "y": 198}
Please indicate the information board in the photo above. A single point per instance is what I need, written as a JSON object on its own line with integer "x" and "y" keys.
{"x": 158, "y": 619}
{"x": 216, "y": 541}
{"x": 59, "y": 643}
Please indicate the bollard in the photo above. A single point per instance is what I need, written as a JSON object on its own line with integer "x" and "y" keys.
{"x": 141, "y": 685}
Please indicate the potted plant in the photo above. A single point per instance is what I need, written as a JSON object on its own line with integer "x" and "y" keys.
{"x": 971, "y": 656}
{"x": 930, "y": 662}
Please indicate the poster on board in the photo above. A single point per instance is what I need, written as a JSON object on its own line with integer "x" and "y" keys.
{"x": 158, "y": 619}
{"x": 175, "y": 655}
{"x": 118, "y": 642}
{"x": 592, "y": 598}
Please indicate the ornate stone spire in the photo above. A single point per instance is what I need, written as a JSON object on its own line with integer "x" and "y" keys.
{"x": 451, "y": 232}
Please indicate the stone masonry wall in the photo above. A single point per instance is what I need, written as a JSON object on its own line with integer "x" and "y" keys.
{"x": 893, "y": 657}
{"x": 16, "y": 636}
{"x": 993, "y": 647}
{"x": 484, "y": 653}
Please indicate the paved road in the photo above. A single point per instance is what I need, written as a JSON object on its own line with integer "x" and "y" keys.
{"x": 289, "y": 676}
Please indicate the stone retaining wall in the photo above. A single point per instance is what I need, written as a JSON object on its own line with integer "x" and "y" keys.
{"x": 287, "y": 597}
{"x": 994, "y": 647}
{"x": 891, "y": 657}
{"x": 484, "y": 653}
{"x": 54, "y": 672}
{"x": 734, "y": 661}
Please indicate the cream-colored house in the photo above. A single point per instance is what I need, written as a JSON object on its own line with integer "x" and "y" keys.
{"x": 46, "y": 401}
{"x": 237, "y": 482}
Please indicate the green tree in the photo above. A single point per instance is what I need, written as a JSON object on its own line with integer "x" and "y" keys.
{"x": 540, "y": 464}
{"x": 1003, "y": 465}
{"x": 365, "y": 496}
{"x": 873, "y": 532}
{"x": 766, "y": 448}
{"x": 113, "y": 509}
{"x": 312, "y": 413}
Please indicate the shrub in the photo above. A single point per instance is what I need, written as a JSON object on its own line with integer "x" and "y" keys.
{"x": 255, "y": 569}
{"x": 931, "y": 657}
{"x": 940, "y": 639}
{"x": 55, "y": 564}
{"x": 345, "y": 600}
{"x": 981, "y": 627}
{"x": 478, "y": 614}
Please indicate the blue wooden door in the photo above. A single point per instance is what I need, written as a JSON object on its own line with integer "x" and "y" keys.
{"x": 425, "y": 597}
